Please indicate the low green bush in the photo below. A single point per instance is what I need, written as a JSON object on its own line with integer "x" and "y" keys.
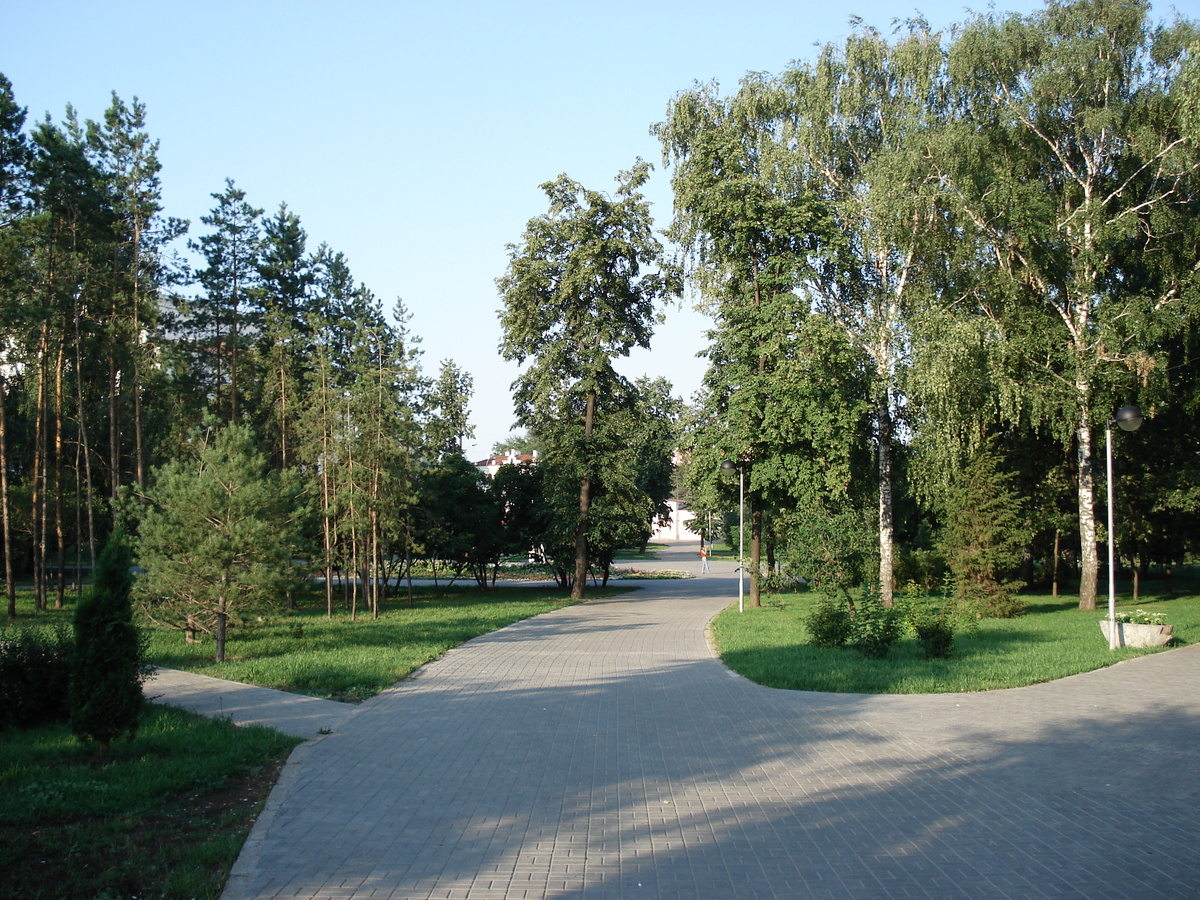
{"x": 931, "y": 618}
{"x": 829, "y": 624}
{"x": 936, "y": 638}
{"x": 35, "y": 676}
{"x": 875, "y": 628}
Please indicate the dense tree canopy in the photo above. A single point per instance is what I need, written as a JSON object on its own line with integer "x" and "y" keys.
{"x": 579, "y": 292}
{"x": 1000, "y": 225}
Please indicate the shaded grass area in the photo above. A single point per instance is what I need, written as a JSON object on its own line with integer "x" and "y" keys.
{"x": 1052, "y": 640}
{"x": 165, "y": 816}
{"x": 306, "y": 652}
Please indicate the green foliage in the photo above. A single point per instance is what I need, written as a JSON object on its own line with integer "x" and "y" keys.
{"x": 984, "y": 536}
{"x": 518, "y": 490}
{"x": 829, "y": 624}
{"x": 865, "y": 625}
{"x": 106, "y": 669}
{"x": 922, "y": 567}
{"x": 223, "y": 319}
{"x": 831, "y": 545}
{"x": 460, "y": 518}
{"x": 35, "y": 675}
{"x": 931, "y": 618}
{"x": 219, "y": 536}
{"x": 936, "y": 637}
{"x": 448, "y": 400}
{"x": 874, "y": 628}
{"x": 523, "y": 442}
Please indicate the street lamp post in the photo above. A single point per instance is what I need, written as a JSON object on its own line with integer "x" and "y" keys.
{"x": 1128, "y": 418}
{"x": 729, "y": 466}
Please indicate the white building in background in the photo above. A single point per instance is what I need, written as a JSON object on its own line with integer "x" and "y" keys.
{"x": 492, "y": 464}
{"x": 678, "y": 528}
{"x": 675, "y": 530}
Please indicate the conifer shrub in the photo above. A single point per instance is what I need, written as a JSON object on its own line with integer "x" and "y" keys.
{"x": 984, "y": 537}
{"x": 107, "y": 670}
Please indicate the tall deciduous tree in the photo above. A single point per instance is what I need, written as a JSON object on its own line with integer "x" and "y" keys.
{"x": 854, "y": 127}
{"x": 805, "y": 192}
{"x": 580, "y": 291}
{"x": 1069, "y": 169}
{"x": 745, "y": 232}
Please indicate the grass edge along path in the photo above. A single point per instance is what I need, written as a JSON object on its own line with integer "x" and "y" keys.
{"x": 1054, "y": 639}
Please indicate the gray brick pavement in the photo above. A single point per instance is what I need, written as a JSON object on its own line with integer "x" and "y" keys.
{"x": 601, "y": 752}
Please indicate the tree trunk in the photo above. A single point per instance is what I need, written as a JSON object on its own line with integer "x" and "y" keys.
{"x": 220, "y": 631}
{"x": 60, "y": 550}
{"x": 754, "y": 598}
{"x": 1089, "y": 560}
{"x": 585, "y": 503}
{"x": 81, "y": 425}
{"x": 1054, "y": 565}
{"x": 886, "y": 564}
{"x": 10, "y": 592}
{"x": 114, "y": 428}
{"x": 37, "y": 485}
{"x": 139, "y": 463}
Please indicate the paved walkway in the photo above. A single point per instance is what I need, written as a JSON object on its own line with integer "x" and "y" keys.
{"x": 602, "y": 752}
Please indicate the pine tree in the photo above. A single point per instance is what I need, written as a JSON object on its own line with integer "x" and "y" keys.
{"x": 218, "y": 536}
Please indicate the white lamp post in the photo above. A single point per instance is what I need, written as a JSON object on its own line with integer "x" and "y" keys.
{"x": 729, "y": 466}
{"x": 1128, "y": 418}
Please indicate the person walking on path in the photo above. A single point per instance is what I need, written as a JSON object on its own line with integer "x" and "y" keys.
{"x": 703, "y": 559}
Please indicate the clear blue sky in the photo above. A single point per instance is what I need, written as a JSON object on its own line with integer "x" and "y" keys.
{"x": 413, "y": 136}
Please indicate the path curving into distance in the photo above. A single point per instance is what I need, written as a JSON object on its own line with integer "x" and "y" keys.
{"x": 602, "y": 751}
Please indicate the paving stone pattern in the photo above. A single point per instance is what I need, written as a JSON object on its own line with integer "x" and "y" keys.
{"x": 602, "y": 751}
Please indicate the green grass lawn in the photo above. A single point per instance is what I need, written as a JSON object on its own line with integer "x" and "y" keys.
{"x": 1052, "y": 640}
{"x": 306, "y": 652}
{"x": 164, "y": 817}
{"x": 341, "y": 658}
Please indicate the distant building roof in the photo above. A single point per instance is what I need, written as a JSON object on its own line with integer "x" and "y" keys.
{"x": 492, "y": 464}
